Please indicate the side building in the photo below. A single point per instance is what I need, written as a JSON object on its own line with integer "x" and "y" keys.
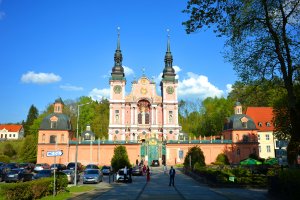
{"x": 11, "y": 132}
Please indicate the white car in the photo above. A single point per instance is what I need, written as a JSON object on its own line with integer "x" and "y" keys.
{"x": 120, "y": 175}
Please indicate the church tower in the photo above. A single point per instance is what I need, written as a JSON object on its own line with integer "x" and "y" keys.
{"x": 169, "y": 85}
{"x": 117, "y": 97}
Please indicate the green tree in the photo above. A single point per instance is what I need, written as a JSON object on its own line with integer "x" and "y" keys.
{"x": 213, "y": 112}
{"x": 196, "y": 155}
{"x": 33, "y": 113}
{"x": 29, "y": 149}
{"x": 262, "y": 43}
{"x": 120, "y": 158}
{"x": 222, "y": 159}
{"x": 9, "y": 150}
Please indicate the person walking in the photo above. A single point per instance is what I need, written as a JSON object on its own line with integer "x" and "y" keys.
{"x": 125, "y": 174}
{"x": 172, "y": 173}
{"x": 148, "y": 174}
{"x": 165, "y": 169}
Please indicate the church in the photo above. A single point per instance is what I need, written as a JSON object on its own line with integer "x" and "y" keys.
{"x": 145, "y": 122}
{"x": 143, "y": 113}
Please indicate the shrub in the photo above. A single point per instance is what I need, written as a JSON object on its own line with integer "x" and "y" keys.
{"x": 4, "y": 158}
{"x": 196, "y": 155}
{"x": 222, "y": 159}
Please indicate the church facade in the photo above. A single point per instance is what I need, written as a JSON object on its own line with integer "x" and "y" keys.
{"x": 143, "y": 113}
{"x": 146, "y": 123}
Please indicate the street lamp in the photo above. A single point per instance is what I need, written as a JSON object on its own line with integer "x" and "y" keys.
{"x": 76, "y": 151}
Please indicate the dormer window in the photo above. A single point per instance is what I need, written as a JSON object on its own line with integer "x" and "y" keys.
{"x": 268, "y": 124}
{"x": 259, "y": 124}
{"x": 87, "y": 136}
{"x": 244, "y": 124}
{"x": 53, "y": 124}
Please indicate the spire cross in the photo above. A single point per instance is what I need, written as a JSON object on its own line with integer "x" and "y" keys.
{"x": 143, "y": 70}
{"x": 118, "y": 45}
{"x": 168, "y": 45}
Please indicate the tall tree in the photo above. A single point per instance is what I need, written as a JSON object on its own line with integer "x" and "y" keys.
{"x": 262, "y": 43}
{"x": 33, "y": 113}
{"x": 120, "y": 158}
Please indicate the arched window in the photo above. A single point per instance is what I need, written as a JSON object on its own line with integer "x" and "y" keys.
{"x": 52, "y": 139}
{"x": 147, "y": 118}
{"x": 170, "y": 117}
{"x": 43, "y": 138}
{"x": 117, "y": 116}
{"x": 87, "y": 136}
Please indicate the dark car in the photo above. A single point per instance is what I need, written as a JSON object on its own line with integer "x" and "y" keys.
{"x": 91, "y": 166}
{"x": 71, "y": 166}
{"x": 137, "y": 171}
{"x": 106, "y": 170}
{"x": 28, "y": 166}
{"x": 155, "y": 163}
{"x": 3, "y": 172}
{"x": 18, "y": 174}
{"x": 12, "y": 165}
{"x": 58, "y": 167}
{"x": 43, "y": 174}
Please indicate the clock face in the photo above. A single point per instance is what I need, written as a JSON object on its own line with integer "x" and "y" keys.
{"x": 143, "y": 91}
{"x": 117, "y": 89}
{"x": 170, "y": 90}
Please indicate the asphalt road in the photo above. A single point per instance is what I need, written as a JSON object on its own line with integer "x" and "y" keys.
{"x": 158, "y": 188}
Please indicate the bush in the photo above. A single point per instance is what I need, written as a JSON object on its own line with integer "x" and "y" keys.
{"x": 4, "y": 158}
{"x": 196, "y": 155}
{"x": 286, "y": 184}
{"x": 222, "y": 159}
{"x": 35, "y": 189}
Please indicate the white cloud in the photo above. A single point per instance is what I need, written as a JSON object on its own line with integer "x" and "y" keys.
{"x": 229, "y": 88}
{"x": 197, "y": 86}
{"x": 69, "y": 87}
{"x": 97, "y": 94}
{"x": 128, "y": 71}
{"x": 40, "y": 78}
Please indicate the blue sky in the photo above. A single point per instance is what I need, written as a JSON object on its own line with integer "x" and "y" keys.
{"x": 65, "y": 48}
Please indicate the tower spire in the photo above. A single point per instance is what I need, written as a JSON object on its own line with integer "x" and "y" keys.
{"x": 169, "y": 72}
{"x": 118, "y": 70}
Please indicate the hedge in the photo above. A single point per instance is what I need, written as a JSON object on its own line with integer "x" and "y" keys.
{"x": 35, "y": 189}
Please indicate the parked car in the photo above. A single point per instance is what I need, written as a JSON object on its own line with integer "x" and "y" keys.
{"x": 43, "y": 174}
{"x": 71, "y": 165}
{"x": 58, "y": 167}
{"x": 120, "y": 175}
{"x": 92, "y": 176}
{"x": 106, "y": 170}
{"x": 3, "y": 172}
{"x": 71, "y": 175}
{"x": 12, "y": 165}
{"x": 18, "y": 174}
{"x": 155, "y": 163}
{"x": 91, "y": 166}
{"x": 28, "y": 166}
{"x": 41, "y": 166}
{"x": 2, "y": 164}
{"x": 137, "y": 171}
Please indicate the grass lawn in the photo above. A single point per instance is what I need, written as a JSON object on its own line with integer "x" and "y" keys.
{"x": 72, "y": 192}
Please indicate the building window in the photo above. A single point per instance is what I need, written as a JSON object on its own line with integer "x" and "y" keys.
{"x": 258, "y": 136}
{"x": 267, "y": 137}
{"x": 259, "y": 124}
{"x": 238, "y": 152}
{"x": 268, "y": 124}
{"x": 170, "y": 117}
{"x": 1, "y": 135}
{"x": 62, "y": 138}
{"x": 87, "y": 136}
{"x": 147, "y": 118}
{"x": 245, "y": 138}
{"x": 42, "y": 154}
{"x": 53, "y": 124}
{"x": 43, "y": 138}
{"x": 52, "y": 139}
{"x": 14, "y": 135}
{"x": 259, "y": 149}
{"x": 117, "y": 116}
{"x": 268, "y": 148}
{"x": 244, "y": 124}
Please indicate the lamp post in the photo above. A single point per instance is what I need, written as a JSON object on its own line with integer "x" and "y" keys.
{"x": 76, "y": 151}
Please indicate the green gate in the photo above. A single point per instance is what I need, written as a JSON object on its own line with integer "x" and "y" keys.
{"x": 154, "y": 150}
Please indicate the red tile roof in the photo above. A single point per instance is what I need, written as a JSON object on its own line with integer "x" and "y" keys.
{"x": 261, "y": 117}
{"x": 11, "y": 127}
